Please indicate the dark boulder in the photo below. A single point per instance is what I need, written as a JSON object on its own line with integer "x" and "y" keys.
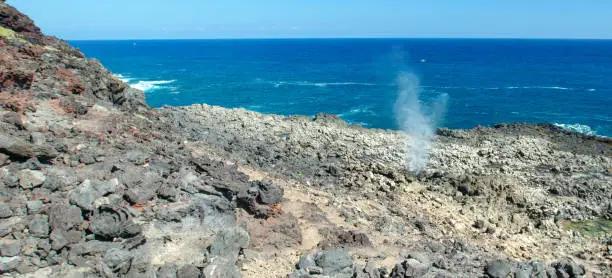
{"x": 110, "y": 222}
{"x": 116, "y": 262}
{"x": 500, "y": 268}
{"x": 269, "y": 193}
{"x": 64, "y": 217}
{"x": 335, "y": 263}
{"x": 20, "y": 149}
{"x": 229, "y": 243}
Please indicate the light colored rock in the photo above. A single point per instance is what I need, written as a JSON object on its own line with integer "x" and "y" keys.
{"x": 29, "y": 179}
{"x": 34, "y": 207}
{"x": 9, "y": 263}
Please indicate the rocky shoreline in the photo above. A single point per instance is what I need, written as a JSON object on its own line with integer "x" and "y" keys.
{"x": 94, "y": 183}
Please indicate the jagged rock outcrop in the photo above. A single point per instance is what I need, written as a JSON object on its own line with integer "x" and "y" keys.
{"x": 34, "y": 66}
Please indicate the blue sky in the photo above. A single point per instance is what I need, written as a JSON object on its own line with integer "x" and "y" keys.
{"x": 156, "y": 19}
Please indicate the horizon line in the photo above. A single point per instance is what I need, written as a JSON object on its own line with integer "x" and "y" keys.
{"x": 345, "y": 38}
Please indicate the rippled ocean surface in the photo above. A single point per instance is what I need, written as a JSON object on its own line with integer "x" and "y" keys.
{"x": 567, "y": 82}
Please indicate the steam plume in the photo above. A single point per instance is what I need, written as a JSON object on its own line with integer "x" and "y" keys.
{"x": 419, "y": 121}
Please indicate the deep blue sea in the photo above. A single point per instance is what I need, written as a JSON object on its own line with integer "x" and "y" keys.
{"x": 488, "y": 81}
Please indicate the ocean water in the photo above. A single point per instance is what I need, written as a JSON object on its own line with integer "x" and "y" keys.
{"x": 567, "y": 82}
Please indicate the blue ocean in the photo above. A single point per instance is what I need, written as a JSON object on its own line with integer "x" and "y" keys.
{"x": 488, "y": 81}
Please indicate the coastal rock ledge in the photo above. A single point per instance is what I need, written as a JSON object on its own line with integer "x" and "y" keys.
{"x": 94, "y": 183}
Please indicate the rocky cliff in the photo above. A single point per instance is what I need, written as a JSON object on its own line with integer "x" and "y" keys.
{"x": 36, "y": 67}
{"x": 93, "y": 183}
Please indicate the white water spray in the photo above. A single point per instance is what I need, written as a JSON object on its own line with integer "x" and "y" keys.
{"x": 418, "y": 120}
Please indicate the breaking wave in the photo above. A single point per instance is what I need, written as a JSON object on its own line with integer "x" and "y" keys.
{"x": 578, "y": 128}
{"x": 150, "y": 85}
{"x": 146, "y": 85}
{"x": 123, "y": 78}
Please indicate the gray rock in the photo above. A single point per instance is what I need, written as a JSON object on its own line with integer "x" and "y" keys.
{"x": 300, "y": 273}
{"x": 569, "y": 267}
{"x": 315, "y": 270}
{"x": 221, "y": 268}
{"x": 561, "y": 273}
{"x": 414, "y": 268}
{"x": 171, "y": 215}
{"x": 8, "y": 264}
{"x": 190, "y": 271}
{"x": 88, "y": 253}
{"x": 228, "y": 244}
{"x": 444, "y": 274}
{"x": 64, "y": 217}
{"x": 410, "y": 268}
{"x": 89, "y": 191}
{"x": 499, "y": 268}
{"x": 168, "y": 193}
{"x": 136, "y": 157}
{"x": 139, "y": 194}
{"x": 34, "y": 207}
{"x": 538, "y": 269}
{"x": 5, "y": 210}
{"x": 87, "y": 159}
{"x": 29, "y": 178}
{"x": 168, "y": 270}
{"x": 523, "y": 270}
{"x": 152, "y": 180}
{"x": 32, "y": 164}
{"x": 10, "y": 249}
{"x": 214, "y": 211}
{"x": 37, "y": 138}
{"x": 11, "y": 181}
{"x": 141, "y": 268}
{"x": 421, "y": 257}
{"x": 4, "y": 159}
{"x": 117, "y": 261}
{"x": 5, "y": 228}
{"x": 306, "y": 262}
{"x": 337, "y": 263}
{"x": 269, "y": 193}
{"x": 14, "y": 146}
{"x": 58, "y": 240}
{"x": 372, "y": 271}
{"x": 113, "y": 221}
{"x": 59, "y": 178}
{"x": 551, "y": 273}
{"x": 69, "y": 271}
{"x": 39, "y": 228}
{"x": 479, "y": 224}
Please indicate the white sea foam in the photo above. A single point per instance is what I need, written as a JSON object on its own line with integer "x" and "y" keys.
{"x": 506, "y": 88}
{"x": 150, "y": 85}
{"x": 537, "y": 87}
{"x": 578, "y": 128}
{"x": 123, "y": 78}
{"x": 318, "y": 84}
{"x": 358, "y": 110}
{"x": 362, "y": 124}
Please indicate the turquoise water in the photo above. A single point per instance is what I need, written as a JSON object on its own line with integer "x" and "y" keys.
{"x": 568, "y": 82}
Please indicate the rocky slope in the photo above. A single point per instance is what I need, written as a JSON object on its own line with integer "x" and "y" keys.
{"x": 93, "y": 183}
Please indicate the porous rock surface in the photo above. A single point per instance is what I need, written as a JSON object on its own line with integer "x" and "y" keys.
{"x": 93, "y": 183}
